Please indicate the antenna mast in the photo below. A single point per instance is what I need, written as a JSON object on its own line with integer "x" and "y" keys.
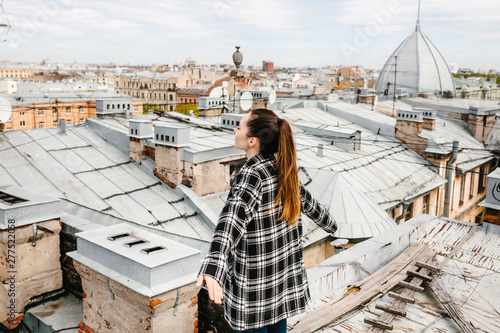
{"x": 418, "y": 17}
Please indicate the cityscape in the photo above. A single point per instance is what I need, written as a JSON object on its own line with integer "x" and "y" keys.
{"x": 115, "y": 165}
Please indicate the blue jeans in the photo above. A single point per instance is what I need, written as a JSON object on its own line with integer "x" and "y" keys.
{"x": 279, "y": 327}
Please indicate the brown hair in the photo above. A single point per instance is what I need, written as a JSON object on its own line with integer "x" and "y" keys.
{"x": 276, "y": 137}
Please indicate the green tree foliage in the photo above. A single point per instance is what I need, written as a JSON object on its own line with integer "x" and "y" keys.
{"x": 187, "y": 108}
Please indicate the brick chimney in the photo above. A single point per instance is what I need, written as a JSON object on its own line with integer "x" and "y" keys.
{"x": 429, "y": 118}
{"x": 409, "y": 125}
{"x": 170, "y": 141}
{"x": 29, "y": 250}
{"x": 136, "y": 281}
{"x": 480, "y": 122}
{"x": 140, "y": 133}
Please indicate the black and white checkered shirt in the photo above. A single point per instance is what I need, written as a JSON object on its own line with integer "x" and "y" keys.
{"x": 257, "y": 258}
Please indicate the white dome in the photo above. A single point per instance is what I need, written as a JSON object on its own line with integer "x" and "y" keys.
{"x": 420, "y": 68}
{"x": 118, "y": 70}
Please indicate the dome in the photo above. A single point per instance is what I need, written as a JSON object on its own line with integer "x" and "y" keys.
{"x": 118, "y": 70}
{"x": 420, "y": 68}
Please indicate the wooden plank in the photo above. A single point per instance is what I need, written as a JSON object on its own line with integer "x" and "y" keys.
{"x": 420, "y": 275}
{"x": 390, "y": 310}
{"x": 399, "y": 305}
{"x": 361, "y": 293}
{"x": 401, "y": 297}
{"x": 378, "y": 324}
{"x": 410, "y": 286}
{"x": 432, "y": 268}
{"x": 451, "y": 307}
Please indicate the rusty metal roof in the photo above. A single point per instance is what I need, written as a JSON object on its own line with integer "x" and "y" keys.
{"x": 470, "y": 274}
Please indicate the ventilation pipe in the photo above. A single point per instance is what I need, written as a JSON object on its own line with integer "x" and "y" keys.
{"x": 405, "y": 204}
{"x": 320, "y": 150}
{"x": 449, "y": 178}
{"x": 62, "y": 126}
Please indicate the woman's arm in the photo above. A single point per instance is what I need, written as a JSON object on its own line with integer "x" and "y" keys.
{"x": 319, "y": 214}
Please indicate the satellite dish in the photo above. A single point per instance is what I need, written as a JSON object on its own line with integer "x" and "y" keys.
{"x": 220, "y": 92}
{"x": 5, "y": 110}
{"x": 280, "y": 85}
{"x": 246, "y": 101}
{"x": 272, "y": 97}
{"x": 224, "y": 84}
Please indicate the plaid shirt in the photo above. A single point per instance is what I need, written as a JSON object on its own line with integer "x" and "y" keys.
{"x": 257, "y": 258}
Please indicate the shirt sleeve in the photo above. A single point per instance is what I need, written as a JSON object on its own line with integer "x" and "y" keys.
{"x": 319, "y": 214}
{"x": 238, "y": 211}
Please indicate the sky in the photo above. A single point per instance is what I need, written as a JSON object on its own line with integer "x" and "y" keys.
{"x": 292, "y": 33}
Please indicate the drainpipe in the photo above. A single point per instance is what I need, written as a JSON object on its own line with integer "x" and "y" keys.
{"x": 405, "y": 204}
{"x": 449, "y": 178}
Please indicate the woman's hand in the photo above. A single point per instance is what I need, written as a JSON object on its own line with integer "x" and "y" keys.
{"x": 214, "y": 288}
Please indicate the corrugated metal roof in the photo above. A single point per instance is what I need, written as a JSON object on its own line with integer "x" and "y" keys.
{"x": 470, "y": 275}
{"x": 85, "y": 169}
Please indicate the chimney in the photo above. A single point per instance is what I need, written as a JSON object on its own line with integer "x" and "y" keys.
{"x": 144, "y": 282}
{"x": 480, "y": 122}
{"x": 169, "y": 142}
{"x": 320, "y": 150}
{"x": 141, "y": 139}
{"x": 429, "y": 118}
{"x": 62, "y": 126}
{"x": 29, "y": 227}
{"x": 409, "y": 125}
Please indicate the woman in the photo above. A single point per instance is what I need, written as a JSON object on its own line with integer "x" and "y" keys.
{"x": 256, "y": 251}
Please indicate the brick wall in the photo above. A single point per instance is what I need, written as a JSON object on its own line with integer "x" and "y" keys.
{"x": 71, "y": 280}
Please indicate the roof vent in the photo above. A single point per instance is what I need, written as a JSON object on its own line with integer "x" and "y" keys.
{"x": 115, "y": 237}
{"x": 136, "y": 242}
{"x": 415, "y": 116}
{"x": 171, "y": 135}
{"x": 153, "y": 249}
{"x": 140, "y": 129}
{"x": 230, "y": 120}
{"x": 426, "y": 113}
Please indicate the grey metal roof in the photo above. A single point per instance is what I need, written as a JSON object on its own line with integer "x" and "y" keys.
{"x": 83, "y": 168}
{"x": 30, "y": 99}
{"x": 470, "y": 275}
{"x": 448, "y": 129}
{"x": 385, "y": 170}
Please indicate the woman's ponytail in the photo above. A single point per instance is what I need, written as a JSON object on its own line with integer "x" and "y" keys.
{"x": 286, "y": 163}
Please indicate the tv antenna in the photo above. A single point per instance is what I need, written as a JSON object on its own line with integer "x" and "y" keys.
{"x": 4, "y": 24}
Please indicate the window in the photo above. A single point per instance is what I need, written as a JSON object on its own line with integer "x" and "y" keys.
{"x": 481, "y": 183}
{"x": 131, "y": 131}
{"x": 40, "y": 112}
{"x": 170, "y": 97}
{"x": 426, "y": 203}
{"x": 167, "y": 138}
{"x": 21, "y": 113}
{"x": 41, "y": 124}
{"x": 82, "y": 109}
{"x": 54, "y": 111}
{"x": 136, "y": 132}
{"x": 462, "y": 190}
{"x": 68, "y": 109}
{"x": 136, "y": 108}
{"x": 54, "y": 124}
{"x": 22, "y": 123}
{"x": 156, "y": 137}
{"x": 68, "y": 121}
{"x": 162, "y": 137}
